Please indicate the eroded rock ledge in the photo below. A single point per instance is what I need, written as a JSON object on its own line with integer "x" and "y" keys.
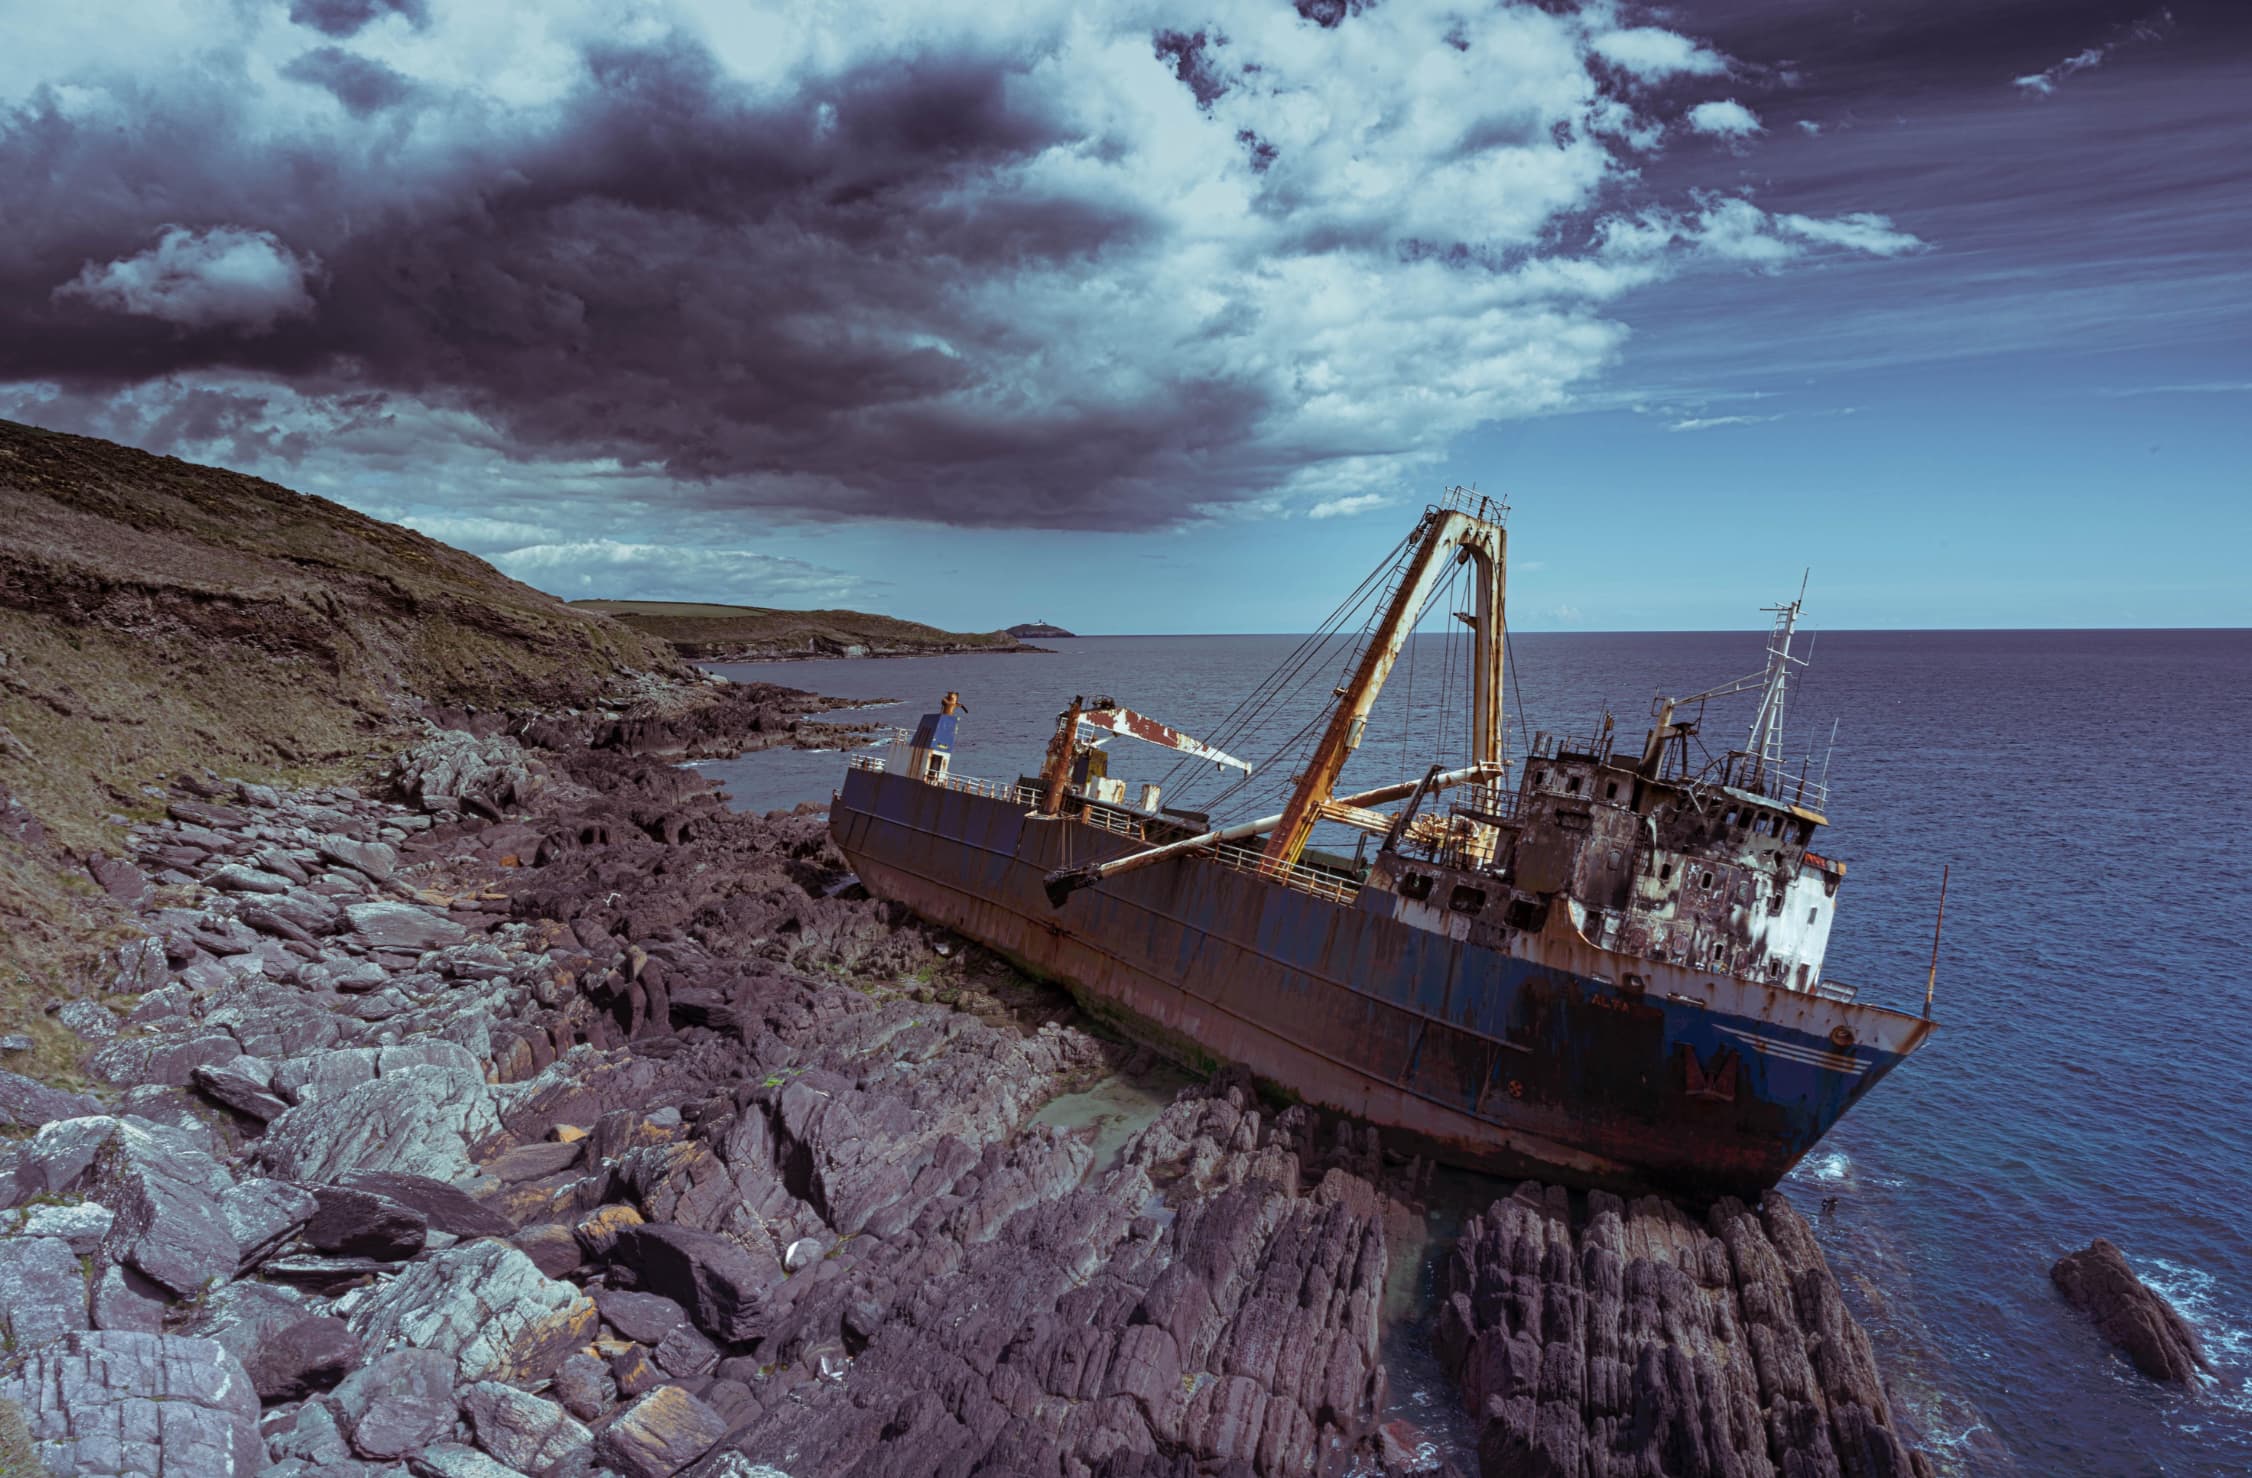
{"x": 565, "y": 1122}
{"x": 1603, "y": 1337}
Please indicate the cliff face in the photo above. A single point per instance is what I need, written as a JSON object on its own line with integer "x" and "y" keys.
{"x": 157, "y": 616}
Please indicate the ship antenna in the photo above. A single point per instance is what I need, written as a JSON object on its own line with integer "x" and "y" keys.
{"x": 1822, "y": 786}
{"x": 1766, "y": 741}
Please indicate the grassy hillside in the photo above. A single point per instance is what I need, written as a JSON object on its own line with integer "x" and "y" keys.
{"x": 157, "y": 615}
{"x": 717, "y": 631}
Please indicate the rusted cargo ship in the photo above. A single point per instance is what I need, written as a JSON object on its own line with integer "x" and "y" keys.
{"x": 1609, "y": 971}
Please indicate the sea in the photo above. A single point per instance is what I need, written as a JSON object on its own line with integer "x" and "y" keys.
{"x": 2089, "y": 794}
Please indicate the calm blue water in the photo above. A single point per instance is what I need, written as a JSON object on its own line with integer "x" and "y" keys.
{"x": 2093, "y": 1073}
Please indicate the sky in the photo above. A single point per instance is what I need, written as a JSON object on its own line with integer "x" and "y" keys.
{"x": 1170, "y": 315}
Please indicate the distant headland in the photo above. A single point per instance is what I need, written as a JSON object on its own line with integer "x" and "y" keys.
{"x": 1038, "y": 628}
{"x": 704, "y": 632}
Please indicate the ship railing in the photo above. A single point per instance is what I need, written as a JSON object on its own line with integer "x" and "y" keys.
{"x": 1121, "y": 822}
{"x": 1239, "y": 858}
{"x": 866, "y": 762}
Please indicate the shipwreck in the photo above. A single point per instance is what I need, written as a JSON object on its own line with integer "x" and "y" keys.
{"x": 1609, "y": 970}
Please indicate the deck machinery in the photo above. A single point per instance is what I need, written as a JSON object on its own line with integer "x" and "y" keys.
{"x": 1610, "y": 971}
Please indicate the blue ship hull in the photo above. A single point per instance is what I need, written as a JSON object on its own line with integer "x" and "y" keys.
{"x": 1545, "y": 1055}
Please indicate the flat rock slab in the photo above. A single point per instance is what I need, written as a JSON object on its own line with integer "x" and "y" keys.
{"x": 357, "y": 1223}
{"x": 28, "y": 1104}
{"x": 43, "y": 1293}
{"x": 118, "y": 1403}
{"x": 405, "y": 926}
{"x": 520, "y": 1429}
{"x": 421, "y": 1119}
{"x": 397, "y": 1404}
{"x": 660, "y": 1434}
{"x": 484, "y": 1305}
{"x": 2130, "y": 1313}
{"x": 447, "y": 1207}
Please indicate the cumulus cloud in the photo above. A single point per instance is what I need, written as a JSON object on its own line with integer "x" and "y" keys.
{"x": 1040, "y": 265}
{"x": 1651, "y": 53}
{"x": 1726, "y": 119}
{"x": 1342, "y": 507}
{"x": 594, "y": 569}
{"x": 223, "y": 277}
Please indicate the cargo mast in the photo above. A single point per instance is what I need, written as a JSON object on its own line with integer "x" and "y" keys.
{"x": 1446, "y": 530}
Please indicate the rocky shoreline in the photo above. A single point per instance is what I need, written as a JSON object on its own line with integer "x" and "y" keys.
{"x": 547, "y": 1117}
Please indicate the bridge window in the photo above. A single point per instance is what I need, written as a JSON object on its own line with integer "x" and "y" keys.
{"x": 1467, "y": 899}
{"x": 1665, "y": 873}
{"x": 1572, "y": 786}
{"x": 1705, "y": 881}
{"x": 1612, "y": 793}
{"x": 1416, "y": 885}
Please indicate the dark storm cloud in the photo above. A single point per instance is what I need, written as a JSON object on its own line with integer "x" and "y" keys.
{"x": 981, "y": 277}
{"x": 348, "y": 17}
{"x": 362, "y": 85}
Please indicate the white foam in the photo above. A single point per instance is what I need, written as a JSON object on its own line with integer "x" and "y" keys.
{"x": 1834, "y": 1168}
{"x": 2197, "y": 1296}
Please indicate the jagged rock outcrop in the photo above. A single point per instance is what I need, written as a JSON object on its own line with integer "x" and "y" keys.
{"x": 2130, "y": 1313}
{"x": 621, "y": 1136}
{"x": 1638, "y": 1339}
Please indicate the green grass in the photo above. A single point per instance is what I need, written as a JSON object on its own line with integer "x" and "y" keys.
{"x": 703, "y": 629}
{"x": 19, "y": 1458}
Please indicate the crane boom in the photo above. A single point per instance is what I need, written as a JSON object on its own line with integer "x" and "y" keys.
{"x": 1107, "y": 713}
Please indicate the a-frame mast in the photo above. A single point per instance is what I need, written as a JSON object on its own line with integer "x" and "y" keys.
{"x": 1443, "y": 532}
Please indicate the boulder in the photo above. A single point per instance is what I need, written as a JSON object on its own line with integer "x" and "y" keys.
{"x": 125, "y": 1299}
{"x": 82, "y": 1224}
{"x": 403, "y": 926}
{"x": 122, "y": 881}
{"x": 377, "y": 860}
{"x": 27, "y": 1104}
{"x": 357, "y": 1223}
{"x": 306, "y": 1355}
{"x": 585, "y": 1387}
{"x": 243, "y": 1315}
{"x": 660, "y": 1434}
{"x": 263, "y": 1214}
{"x": 2098, "y": 1281}
{"x": 458, "y": 1460}
{"x": 643, "y": 1317}
{"x": 484, "y": 1305}
{"x": 397, "y": 1404}
{"x": 169, "y": 1225}
{"x": 447, "y": 1208}
{"x": 719, "y": 1283}
{"x": 552, "y": 1246}
{"x": 234, "y": 877}
{"x": 120, "y": 1402}
{"x": 518, "y": 1428}
{"x": 421, "y": 1120}
{"x": 242, "y": 1084}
